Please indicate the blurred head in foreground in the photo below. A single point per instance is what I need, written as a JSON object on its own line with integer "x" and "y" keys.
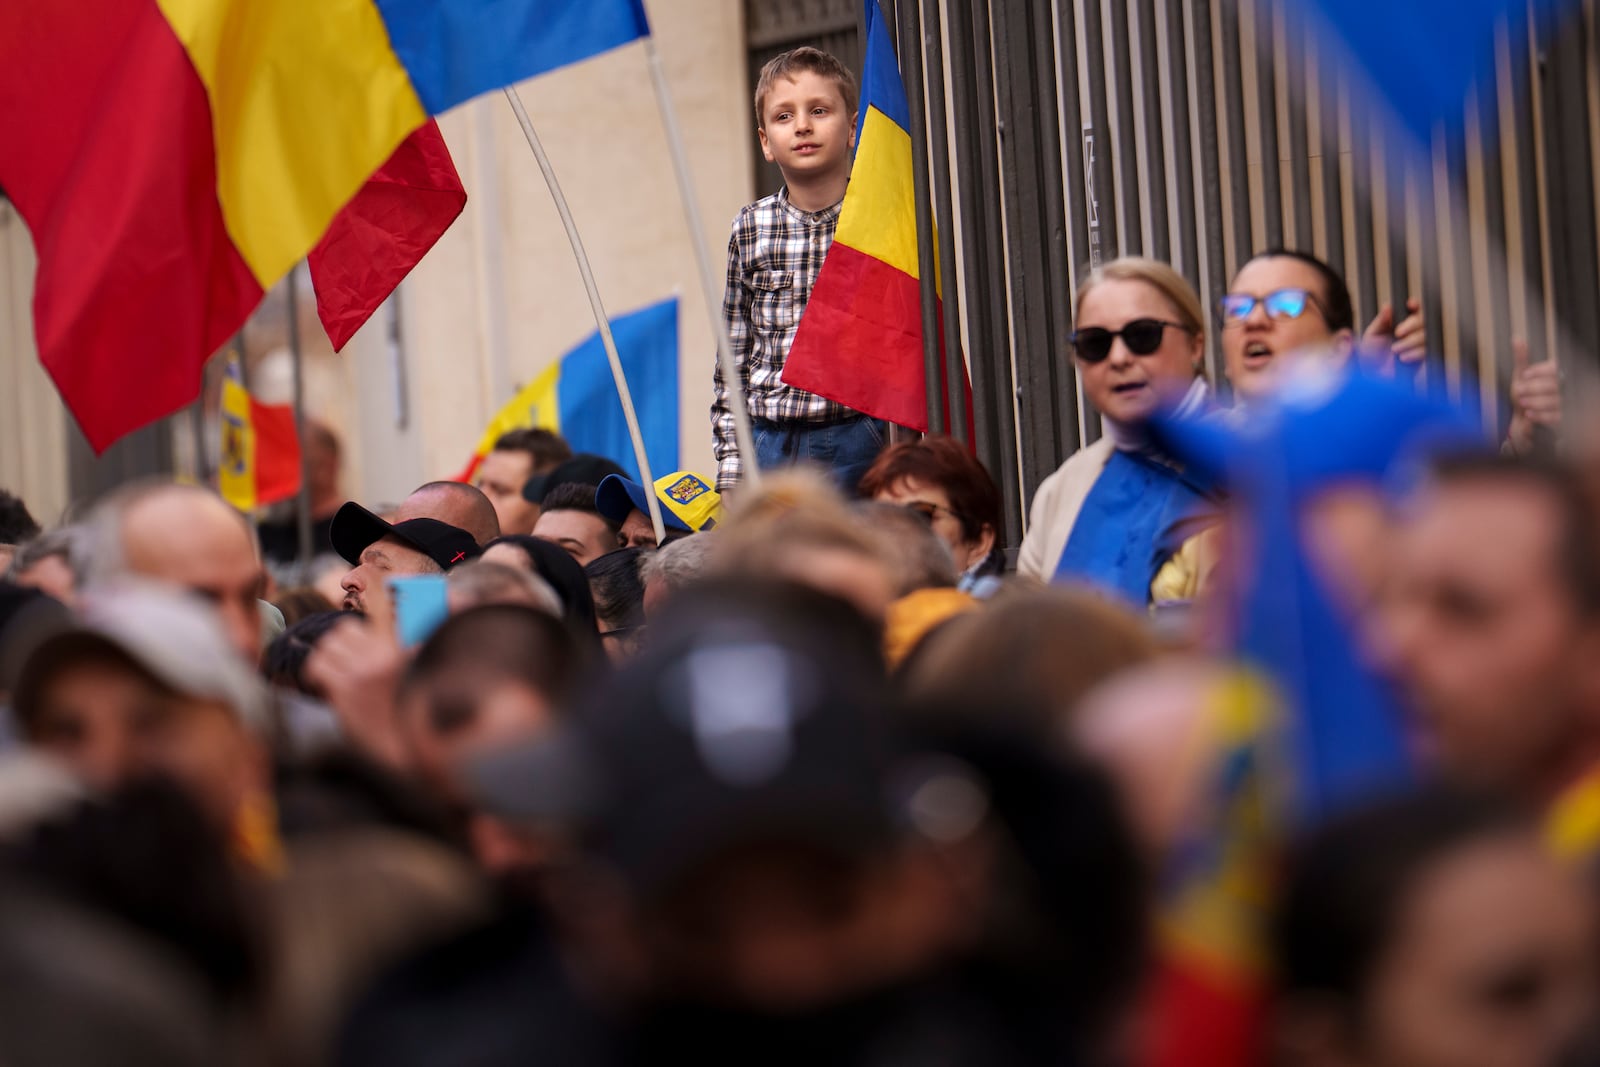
{"x": 1431, "y": 931}
{"x": 1491, "y": 621}
{"x": 760, "y": 840}
{"x": 145, "y": 684}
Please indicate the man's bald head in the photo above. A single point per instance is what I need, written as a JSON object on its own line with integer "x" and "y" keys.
{"x": 462, "y": 506}
{"x": 187, "y": 537}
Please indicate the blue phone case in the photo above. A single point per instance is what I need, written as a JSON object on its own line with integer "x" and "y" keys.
{"x": 420, "y": 606}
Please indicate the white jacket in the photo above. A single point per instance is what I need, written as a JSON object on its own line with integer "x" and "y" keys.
{"x": 1055, "y": 509}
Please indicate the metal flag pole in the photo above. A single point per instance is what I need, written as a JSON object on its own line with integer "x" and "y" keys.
{"x": 302, "y": 504}
{"x": 600, "y": 318}
{"x": 708, "y": 278}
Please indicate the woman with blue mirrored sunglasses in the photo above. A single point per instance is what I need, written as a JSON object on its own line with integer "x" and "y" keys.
{"x": 1285, "y": 286}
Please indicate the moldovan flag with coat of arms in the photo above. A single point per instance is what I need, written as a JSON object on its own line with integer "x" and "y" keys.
{"x": 860, "y": 338}
{"x": 173, "y": 159}
{"x": 260, "y": 452}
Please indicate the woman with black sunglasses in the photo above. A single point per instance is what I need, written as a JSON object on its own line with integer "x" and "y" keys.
{"x": 1118, "y": 514}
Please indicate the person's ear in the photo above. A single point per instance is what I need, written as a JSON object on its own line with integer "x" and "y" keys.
{"x": 854, "y": 119}
{"x": 1197, "y": 351}
{"x": 766, "y": 148}
{"x": 984, "y": 543}
{"x": 1344, "y": 343}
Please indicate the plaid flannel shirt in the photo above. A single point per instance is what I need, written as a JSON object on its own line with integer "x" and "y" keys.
{"x": 774, "y": 256}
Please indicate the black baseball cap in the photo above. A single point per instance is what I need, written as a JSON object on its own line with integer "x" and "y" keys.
{"x": 355, "y": 528}
{"x": 737, "y": 725}
{"x": 585, "y": 467}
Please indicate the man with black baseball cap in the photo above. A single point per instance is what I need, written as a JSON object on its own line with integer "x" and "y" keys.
{"x": 586, "y": 468}
{"x": 737, "y": 727}
{"x": 376, "y": 549}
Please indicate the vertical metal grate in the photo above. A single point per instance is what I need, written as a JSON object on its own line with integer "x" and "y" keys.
{"x": 1067, "y": 132}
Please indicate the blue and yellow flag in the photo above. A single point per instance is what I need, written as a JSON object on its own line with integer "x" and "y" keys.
{"x": 577, "y": 397}
{"x": 1308, "y": 727}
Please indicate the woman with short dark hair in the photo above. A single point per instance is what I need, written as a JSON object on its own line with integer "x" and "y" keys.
{"x": 940, "y": 480}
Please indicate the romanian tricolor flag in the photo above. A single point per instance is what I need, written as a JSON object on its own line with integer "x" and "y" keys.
{"x": 1208, "y": 990}
{"x": 175, "y": 158}
{"x": 860, "y": 338}
{"x": 374, "y": 242}
{"x": 260, "y": 454}
{"x": 577, "y": 397}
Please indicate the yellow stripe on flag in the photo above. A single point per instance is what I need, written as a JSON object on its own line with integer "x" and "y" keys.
{"x": 879, "y": 216}
{"x": 1213, "y": 917}
{"x": 236, "y": 474}
{"x": 307, "y": 100}
{"x": 536, "y": 404}
{"x": 1572, "y": 827}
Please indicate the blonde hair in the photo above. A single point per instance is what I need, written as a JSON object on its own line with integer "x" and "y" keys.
{"x": 1160, "y": 277}
{"x": 795, "y": 508}
{"x": 793, "y": 62}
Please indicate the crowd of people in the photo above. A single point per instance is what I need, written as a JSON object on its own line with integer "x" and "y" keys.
{"x": 825, "y": 771}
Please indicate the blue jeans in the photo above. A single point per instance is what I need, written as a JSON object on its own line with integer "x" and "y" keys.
{"x": 845, "y": 448}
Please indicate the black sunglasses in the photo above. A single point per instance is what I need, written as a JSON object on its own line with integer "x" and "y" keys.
{"x": 1142, "y": 336}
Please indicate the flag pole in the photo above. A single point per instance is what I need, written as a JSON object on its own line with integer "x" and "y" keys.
{"x": 302, "y": 505}
{"x": 708, "y": 279}
{"x": 601, "y": 319}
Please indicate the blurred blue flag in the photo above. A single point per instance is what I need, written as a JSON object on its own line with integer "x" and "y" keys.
{"x": 589, "y": 410}
{"x": 1330, "y": 430}
{"x": 1423, "y": 56}
{"x": 458, "y": 49}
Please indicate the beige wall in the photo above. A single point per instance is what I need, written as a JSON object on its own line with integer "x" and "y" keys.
{"x": 33, "y": 459}
{"x": 499, "y": 298}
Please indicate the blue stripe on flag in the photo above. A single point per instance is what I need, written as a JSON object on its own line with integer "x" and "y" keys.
{"x": 1425, "y": 55}
{"x": 455, "y": 50}
{"x": 881, "y": 85}
{"x": 591, "y": 412}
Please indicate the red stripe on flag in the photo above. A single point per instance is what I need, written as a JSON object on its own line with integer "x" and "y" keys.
{"x": 860, "y": 340}
{"x": 108, "y": 156}
{"x": 470, "y": 471}
{"x": 384, "y": 231}
{"x": 277, "y": 452}
{"x": 1201, "y": 1019}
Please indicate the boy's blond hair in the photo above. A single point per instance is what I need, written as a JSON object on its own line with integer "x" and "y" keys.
{"x": 800, "y": 59}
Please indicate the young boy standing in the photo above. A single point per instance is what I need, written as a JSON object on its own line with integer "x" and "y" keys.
{"x": 806, "y": 117}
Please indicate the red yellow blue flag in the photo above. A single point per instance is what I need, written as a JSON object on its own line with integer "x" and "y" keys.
{"x": 174, "y": 158}
{"x": 1319, "y": 729}
{"x": 860, "y": 338}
